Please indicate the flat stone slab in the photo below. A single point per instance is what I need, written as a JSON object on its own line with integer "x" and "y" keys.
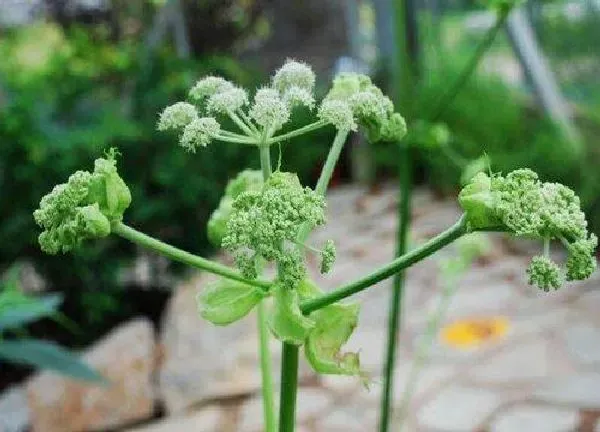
{"x": 577, "y": 391}
{"x": 536, "y": 419}
{"x": 583, "y": 343}
{"x": 458, "y": 409}
{"x": 207, "y": 420}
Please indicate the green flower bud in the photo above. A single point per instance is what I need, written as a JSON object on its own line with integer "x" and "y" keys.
{"x": 108, "y": 189}
{"x": 581, "y": 262}
{"x": 269, "y": 110}
{"x": 209, "y": 86}
{"x": 83, "y": 208}
{"x": 479, "y": 203}
{"x": 286, "y": 321}
{"x": 327, "y": 257}
{"x": 292, "y": 269}
{"x": 294, "y": 74}
{"x": 394, "y": 129}
{"x": 247, "y": 180}
{"x": 246, "y": 263}
{"x": 177, "y": 116}
{"x": 338, "y": 113}
{"x": 297, "y": 96}
{"x": 227, "y": 301}
{"x": 333, "y": 327}
{"x": 544, "y": 273}
{"x": 199, "y": 132}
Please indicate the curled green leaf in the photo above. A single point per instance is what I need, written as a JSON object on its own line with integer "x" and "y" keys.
{"x": 227, "y": 301}
{"x": 286, "y": 320}
{"x": 334, "y": 325}
{"x": 478, "y": 202}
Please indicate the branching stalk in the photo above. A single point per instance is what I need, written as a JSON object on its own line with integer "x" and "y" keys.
{"x": 182, "y": 256}
{"x": 430, "y": 247}
{"x": 300, "y": 131}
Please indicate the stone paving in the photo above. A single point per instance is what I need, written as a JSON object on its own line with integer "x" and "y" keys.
{"x": 542, "y": 375}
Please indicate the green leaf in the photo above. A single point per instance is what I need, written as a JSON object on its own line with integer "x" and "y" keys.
{"x": 286, "y": 321}
{"x": 227, "y": 301}
{"x": 334, "y": 325}
{"x": 478, "y": 202}
{"x": 17, "y": 310}
{"x": 46, "y": 355}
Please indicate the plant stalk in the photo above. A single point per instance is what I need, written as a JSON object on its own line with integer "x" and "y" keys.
{"x": 266, "y": 367}
{"x": 176, "y": 254}
{"x": 289, "y": 388}
{"x": 297, "y": 132}
{"x": 395, "y": 309}
{"x": 428, "y": 248}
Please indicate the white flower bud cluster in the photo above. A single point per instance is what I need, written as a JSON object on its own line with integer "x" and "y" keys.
{"x": 194, "y": 131}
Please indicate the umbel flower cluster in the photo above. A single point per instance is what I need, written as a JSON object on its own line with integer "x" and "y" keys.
{"x": 83, "y": 208}
{"x": 523, "y": 205}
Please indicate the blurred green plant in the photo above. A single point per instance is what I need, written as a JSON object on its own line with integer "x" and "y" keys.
{"x": 17, "y": 310}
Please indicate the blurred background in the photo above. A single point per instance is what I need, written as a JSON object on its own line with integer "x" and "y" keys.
{"x": 80, "y": 76}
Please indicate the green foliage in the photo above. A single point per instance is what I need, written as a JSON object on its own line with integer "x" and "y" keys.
{"x": 18, "y": 310}
{"x": 227, "y": 301}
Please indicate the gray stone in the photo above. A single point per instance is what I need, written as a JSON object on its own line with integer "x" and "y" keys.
{"x": 340, "y": 421}
{"x": 458, "y": 409}
{"x": 578, "y": 391}
{"x": 536, "y": 419}
{"x": 126, "y": 357}
{"x": 526, "y": 361}
{"x": 208, "y": 419}
{"x": 14, "y": 411}
{"x": 583, "y": 343}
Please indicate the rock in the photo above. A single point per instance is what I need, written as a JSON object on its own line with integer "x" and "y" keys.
{"x": 340, "y": 421}
{"x": 526, "y": 361}
{"x": 536, "y": 419}
{"x": 583, "y": 343}
{"x": 458, "y": 409}
{"x": 202, "y": 361}
{"x": 14, "y": 411}
{"x": 577, "y": 391}
{"x": 208, "y": 419}
{"x": 126, "y": 357}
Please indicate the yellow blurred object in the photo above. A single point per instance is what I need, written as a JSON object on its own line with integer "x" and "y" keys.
{"x": 474, "y": 332}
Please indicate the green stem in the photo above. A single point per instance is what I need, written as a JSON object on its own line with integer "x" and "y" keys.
{"x": 300, "y": 131}
{"x": 326, "y": 173}
{"x": 266, "y": 371}
{"x": 240, "y": 123}
{"x": 248, "y": 121}
{"x": 468, "y": 70}
{"x": 235, "y": 139}
{"x": 395, "y": 308}
{"x": 438, "y": 242}
{"x": 289, "y": 388}
{"x": 176, "y": 254}
{"x": 266, "y": 367}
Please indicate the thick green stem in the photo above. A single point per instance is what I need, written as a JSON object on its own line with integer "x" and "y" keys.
{"x": 266, "y": 371}
{"x": 266, "y": 367}
{"x": 300, "y": 131}
{"x": 326, "y": 173}
{"x": 395, "y": 308}
{"x": 438, "y": 242}
{"x": 235, "y": 139}
{"x": 289, "y": 388}
{"x": 470, "y": 67}
{"x": 176, "y": 254}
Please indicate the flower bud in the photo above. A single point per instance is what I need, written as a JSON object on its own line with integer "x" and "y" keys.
{"x": 328, "y": 257}
{"x": 294, "y": 74}
{"x": 199, "y": 132}
{"x": 177, "y": 116}
{"x": 544, "y": 273}
{"x": 227, "y": 101}
{"x": 269, "y": 110}
{"x": 337, "y": 113}
{"x": 581, "y": 262}
{"x": 209, "y": 86}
